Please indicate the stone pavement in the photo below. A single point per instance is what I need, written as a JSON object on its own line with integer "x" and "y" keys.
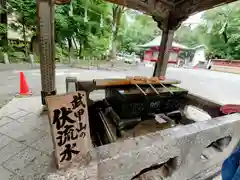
{"x": 25, "y": 140}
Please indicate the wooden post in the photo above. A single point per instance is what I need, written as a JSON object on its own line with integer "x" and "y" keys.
{"x": 165, "y": 46}
{"x": 168, "y": 27}
{"x": 45, "y": 12}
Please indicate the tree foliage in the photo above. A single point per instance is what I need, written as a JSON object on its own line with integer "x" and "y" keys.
{"x": 97, "y": 28}
{"x": 84, "y": 25}
{"x": 23, "y": 17}
{"x": 91, "y": 28}
{"x": 117, "y": 13}
{"x": 77, "y": 25}
{"x": 138, "y": 32}
{"x": 3, "y": 25}
{"x": 219, "y": 32}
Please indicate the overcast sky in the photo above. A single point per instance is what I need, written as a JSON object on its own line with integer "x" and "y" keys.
{"x": 194, "y": 19}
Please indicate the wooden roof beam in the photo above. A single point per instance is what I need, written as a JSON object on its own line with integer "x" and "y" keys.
{"x": 151, "y": 7}
{"x": 188, "y": 7}
{"x": 167, "y": 2}
{"x": 133, "y": 4}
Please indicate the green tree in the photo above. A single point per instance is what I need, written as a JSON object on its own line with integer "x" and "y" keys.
{"x": 188, "y": 36}
{"x": 3, "y": 24}
{"x": 219, "y": 32}
{"x": 85, "y": 24}
{"x": 138, "y": 31}
{"x": 23, "y": 14}
{"x": 222, "y": 26}
{"x": 87, "y": 28}
{"x": 117, "y": 14}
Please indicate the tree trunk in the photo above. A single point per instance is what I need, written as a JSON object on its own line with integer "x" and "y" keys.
{"x": 70, "y": 50}
{"x": 117, "y": 14}
{"x": 32, "y": 44}
{"x": 80, "y": 49}
{"x": 62, "y": 52}
{"x": 24, "y": 38}
{"x": 165, "y": 46}
{"x": 113, "y": 49}
{"x": 61, "y": 45}
{"x": 75, "y": 44}
{"x": 3, "y": 20}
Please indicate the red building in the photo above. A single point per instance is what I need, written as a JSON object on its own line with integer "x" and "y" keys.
{"x": 153, "y": 48}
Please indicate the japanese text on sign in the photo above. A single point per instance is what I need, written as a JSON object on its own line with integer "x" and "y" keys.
{"x": 70, "y": 126}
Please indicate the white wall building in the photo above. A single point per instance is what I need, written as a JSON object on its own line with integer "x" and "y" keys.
{"x": 199, "y": 55}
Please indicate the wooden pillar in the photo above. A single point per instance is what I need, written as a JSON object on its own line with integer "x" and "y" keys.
{"x": 168, "y": 27}
{"x": 165, "y": 46}
{"x": 45, "y": 13}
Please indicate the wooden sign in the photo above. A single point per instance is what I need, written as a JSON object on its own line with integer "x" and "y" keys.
{"x": 68, "y": 118}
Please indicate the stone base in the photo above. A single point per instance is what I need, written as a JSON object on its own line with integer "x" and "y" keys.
{"x": 26, "y": 149}
{"x": 136, "y": 157}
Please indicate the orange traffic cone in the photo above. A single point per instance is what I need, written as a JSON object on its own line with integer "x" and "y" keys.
{"x": 24, "y": 90}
